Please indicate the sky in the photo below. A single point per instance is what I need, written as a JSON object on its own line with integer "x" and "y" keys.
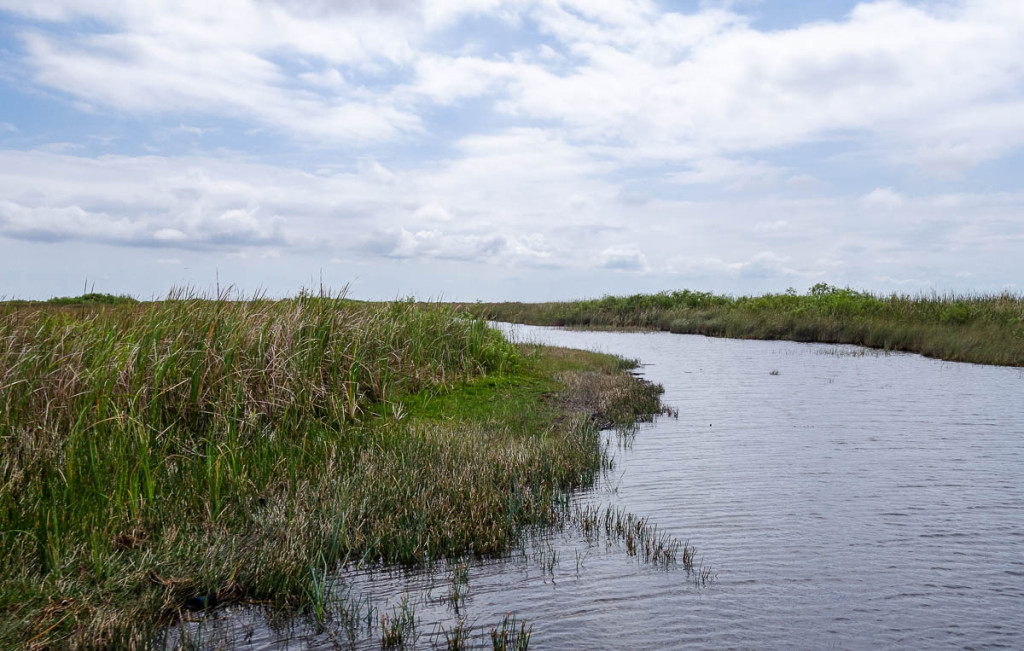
{"x": 510, "y": 149}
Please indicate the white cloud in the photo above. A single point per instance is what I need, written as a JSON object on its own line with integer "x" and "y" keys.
{"x": 190, "y": 130}
{"x": 435, "y": 244}
{"x": 374, "y": 171}
{"x": 762, "y": 265}
{"x": 145, "y": 201}
{"x": 446, "y": 80}
{"x": 506, "y": 214}
{"x": 208, "y": 203}
{"x": 433, "y": 212}
{"x": 772, "y": 226}
{"x": 938, "y": 86}
{"x": 883, "y": 198}
{"x": 169, "y": 235}
{"x": 731, "y": 174}
{"x": 226, "y": 59}
{"x": 590, "y": 138}
{"x": 913, "y": 77}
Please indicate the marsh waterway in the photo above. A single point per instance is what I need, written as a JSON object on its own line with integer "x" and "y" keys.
{"x": 843, "y": 497}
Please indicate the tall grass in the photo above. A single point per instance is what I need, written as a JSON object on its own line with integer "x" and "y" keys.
{"x": 968, "y": 328}
{"x": 161, "y": 456}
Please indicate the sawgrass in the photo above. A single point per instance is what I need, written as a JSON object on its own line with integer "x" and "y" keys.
{"x": 159, "y": 457}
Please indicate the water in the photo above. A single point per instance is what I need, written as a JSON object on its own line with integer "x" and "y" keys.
{"x": 843, "y": 498}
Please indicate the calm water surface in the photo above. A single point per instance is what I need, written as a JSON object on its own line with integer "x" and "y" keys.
{"x": 844, "y": 499}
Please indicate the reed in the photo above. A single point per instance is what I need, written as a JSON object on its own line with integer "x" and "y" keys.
{"x": 188, "y": 453}
{"x": 457, "y": 638}
{"x": 985, "y": 329}
{"x": 640, "y": 537}
{"x": 458, "y": 577}
{"x": 398, "y": 629}
{"x": 511, "y": 635}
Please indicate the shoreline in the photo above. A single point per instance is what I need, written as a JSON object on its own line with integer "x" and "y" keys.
{"x": 976, "y": 329}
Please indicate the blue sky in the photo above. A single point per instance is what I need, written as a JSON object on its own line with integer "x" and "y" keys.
{"x": 510, "y": 149}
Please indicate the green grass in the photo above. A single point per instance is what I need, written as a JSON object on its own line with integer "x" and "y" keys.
{"x": 966, "y": 328}
{"x": 188, "y": 452}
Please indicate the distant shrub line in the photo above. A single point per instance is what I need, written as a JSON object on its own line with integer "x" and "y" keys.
{"x": 986, "y": 329}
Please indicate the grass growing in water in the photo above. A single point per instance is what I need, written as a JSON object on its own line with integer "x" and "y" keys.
{"x": 965, "y": 328}
{"x": 512, "y": 634}
{"x": 458, "y": 578}
{"x": 187, "y": 453}
{"x": 399, "y": 627}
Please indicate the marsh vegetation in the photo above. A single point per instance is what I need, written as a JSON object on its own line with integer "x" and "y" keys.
{"x": 986, "y": 329}
{"x": 183, "y": 454}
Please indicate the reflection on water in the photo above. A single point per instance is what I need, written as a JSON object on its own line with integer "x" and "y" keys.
{"x": 843, "y": 499}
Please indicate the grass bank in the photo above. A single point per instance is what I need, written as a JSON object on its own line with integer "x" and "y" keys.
{"x": 162, "y": 456}
{"x": 980, "y": 329}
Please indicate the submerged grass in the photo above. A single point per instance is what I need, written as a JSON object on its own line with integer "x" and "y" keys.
{"x": 176, "y": 455}
{"x": 964, "y": 328}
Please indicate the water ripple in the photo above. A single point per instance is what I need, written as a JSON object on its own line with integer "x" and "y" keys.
{"x": 851, "y": 501}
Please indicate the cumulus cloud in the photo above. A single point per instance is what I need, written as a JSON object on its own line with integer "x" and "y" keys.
{"x": 138, "y": 201}
{"x": 401, "y": 243}
{"x": 209, "y": 203}
{"x": 731, "y": 88}
{"x": 232, "y": 228}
